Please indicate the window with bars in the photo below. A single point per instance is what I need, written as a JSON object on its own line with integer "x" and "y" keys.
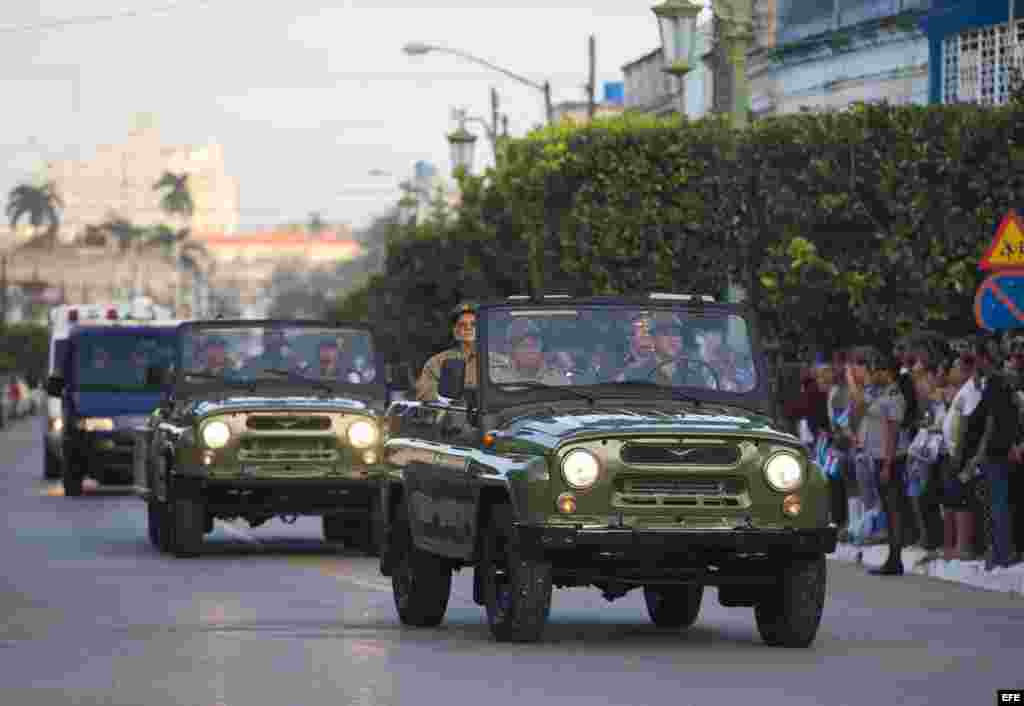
{"x": 976, "y": 64}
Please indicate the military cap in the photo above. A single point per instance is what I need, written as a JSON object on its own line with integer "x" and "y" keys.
{"x": 666, "y": 325}
{"x": 521, "y": 329}
{"x": 462, "y": 308}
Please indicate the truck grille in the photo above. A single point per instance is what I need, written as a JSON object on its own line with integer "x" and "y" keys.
{"x": 681, "y": 491}
{"x": 288, "y": 423}
{"x": 680, "y": 455}
{"x": 272, "y": 449}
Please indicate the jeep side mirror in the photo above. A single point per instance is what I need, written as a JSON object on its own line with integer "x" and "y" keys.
{"x": 453, "y": 379}
{"x": 157, "y": 375}
{"x": 55, "y": 386}
{"x": 398, "y": 377}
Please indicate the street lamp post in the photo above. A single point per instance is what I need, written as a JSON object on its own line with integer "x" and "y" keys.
{"x": 420, "y": 48}
{"x": 677, "y": 24}
{"x": 461, "y": 144}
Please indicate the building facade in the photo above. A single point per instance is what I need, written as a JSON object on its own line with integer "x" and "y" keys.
{"x": 117, "y": 182}
{"x": 611, "y": 104}
{"x": 973, "y": 52}
{"x": 832, "y": 53}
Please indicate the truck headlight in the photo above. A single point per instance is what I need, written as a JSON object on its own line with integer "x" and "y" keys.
{"x": 96, "y": 424}
{"x": 784, "y": 472}
{"x": 362, "y": 434}
{"x": 216, "y": 434}
{"x": 580, "y": 468}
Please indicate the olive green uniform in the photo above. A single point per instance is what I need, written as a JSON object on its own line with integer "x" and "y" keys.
{"x": 426, "y": 384}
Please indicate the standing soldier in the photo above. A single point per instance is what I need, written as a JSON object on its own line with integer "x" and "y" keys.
{"x": 463, "y": 318}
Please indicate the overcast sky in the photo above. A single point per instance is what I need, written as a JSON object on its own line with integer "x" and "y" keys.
{"x": 307, "y": 97}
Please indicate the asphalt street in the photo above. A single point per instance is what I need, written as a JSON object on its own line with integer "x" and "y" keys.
{"x": 274, "y": 617}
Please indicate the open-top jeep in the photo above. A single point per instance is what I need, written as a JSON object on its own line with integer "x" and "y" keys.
{"x": 614, "y": 442}
{"x": 263, "y": 419}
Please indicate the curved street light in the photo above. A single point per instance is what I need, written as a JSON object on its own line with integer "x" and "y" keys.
{"x": 421, "y": 48}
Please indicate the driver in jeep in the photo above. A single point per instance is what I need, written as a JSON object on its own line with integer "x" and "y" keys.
{"x": 526, "y": 360}
{"x": 670, "y": 364}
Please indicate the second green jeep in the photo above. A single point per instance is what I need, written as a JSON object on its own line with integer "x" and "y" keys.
{"x": 621, "y": 443}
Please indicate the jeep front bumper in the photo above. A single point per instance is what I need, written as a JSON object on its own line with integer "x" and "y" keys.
{"x": 542, "y": 539}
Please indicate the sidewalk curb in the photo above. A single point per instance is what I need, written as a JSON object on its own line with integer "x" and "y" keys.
{"x": 971, "y": 573}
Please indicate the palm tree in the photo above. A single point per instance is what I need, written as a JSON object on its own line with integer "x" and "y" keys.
{"x": 183, "y": 252}
{"x": 177, "y": 197}
{"x": 41, "y": 204}
{"x": 176, "y": 201}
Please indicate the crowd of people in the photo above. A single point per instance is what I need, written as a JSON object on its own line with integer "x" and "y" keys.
{"x": 921, "y": 445}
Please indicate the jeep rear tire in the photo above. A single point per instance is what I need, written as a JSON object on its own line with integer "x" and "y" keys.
{"x": 421, "y": 581}
{"x": 673, "y": 606}
{"x": 51, "y": 467}
{"x": 72, "y": 478}
{"x": 189, "y": 521}
{"x": 790, "y": 616}
{"x": 154, "y": 522}
{"x": 516, "y": 589}
{"x": 333, "y": 528}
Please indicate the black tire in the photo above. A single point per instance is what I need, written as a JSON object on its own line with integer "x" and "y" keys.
{"x": 673, "y": 606}
{"x": 333, "y": 528}
{"x": 72, "y": 477}
{"x": 421, "y": 581}
{"x": 51, "y": 464}
{"x": 155, "y": 522}
{"x": 791, "y": 615}
{"x": 189, "y": 520}
{"x": 516, "y": 590}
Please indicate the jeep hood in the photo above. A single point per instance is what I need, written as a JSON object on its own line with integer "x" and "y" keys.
{"x": 552, "y": 430}
{"x": 240, "y": 403}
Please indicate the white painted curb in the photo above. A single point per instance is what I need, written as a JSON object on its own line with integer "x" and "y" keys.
{"x": 971, "y": 573}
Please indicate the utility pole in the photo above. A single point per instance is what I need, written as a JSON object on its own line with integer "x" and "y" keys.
{"x": 592, "y": 51}
{"x": 3, "y": 291}
{"x": 494, "y": 123}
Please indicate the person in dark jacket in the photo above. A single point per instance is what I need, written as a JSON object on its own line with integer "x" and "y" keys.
{"x": 810, "y": 404}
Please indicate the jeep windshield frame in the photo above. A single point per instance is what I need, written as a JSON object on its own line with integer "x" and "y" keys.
{"x": 497, "y": 393}
{"x": 186, "y": 385}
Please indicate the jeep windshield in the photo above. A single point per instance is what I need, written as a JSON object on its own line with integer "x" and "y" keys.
{"x": 685, "y": 351}
{"x": 247, "y": 355}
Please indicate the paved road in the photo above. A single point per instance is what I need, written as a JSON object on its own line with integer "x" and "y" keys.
{"x": 92, "y": 615}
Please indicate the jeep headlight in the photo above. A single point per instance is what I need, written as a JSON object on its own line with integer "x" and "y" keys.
{"x": 216, "y": 434}
{"x": 580, "y": 468}
{"x": 362, "y": 434}
{"x": 784, "y": 472}
{"x": 96, "y": 424}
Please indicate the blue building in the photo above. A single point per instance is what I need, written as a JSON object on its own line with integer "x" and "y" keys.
{"x": 971, "y": 50}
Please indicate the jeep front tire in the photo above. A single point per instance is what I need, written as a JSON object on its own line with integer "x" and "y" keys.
{"x": 516, "y": 589}
{"x": 673, "y": 606}
{"x": 421, "y": 581}
{"x": 791, "y": 614}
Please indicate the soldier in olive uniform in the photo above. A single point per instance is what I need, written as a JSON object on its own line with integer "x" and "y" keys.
{"x": 464, "y": 330}
{"x": 525, "y": 360}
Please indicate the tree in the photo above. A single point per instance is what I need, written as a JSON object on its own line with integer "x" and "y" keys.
{"x": 177, "y": 196}
{"x": 41, "y": 204}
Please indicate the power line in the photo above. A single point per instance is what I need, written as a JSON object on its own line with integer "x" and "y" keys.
{"x": 97, "y": 19}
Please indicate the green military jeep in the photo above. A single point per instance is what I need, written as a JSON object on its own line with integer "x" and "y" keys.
{"x": 263, "y": 419}
{"x": 612, "y": 442}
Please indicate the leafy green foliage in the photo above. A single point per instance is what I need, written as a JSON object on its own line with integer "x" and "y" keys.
{"x": 24, "y": 348}
{"x": 842, "y": 227}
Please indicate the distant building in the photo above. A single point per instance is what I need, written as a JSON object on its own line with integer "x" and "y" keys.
{"x": 117, "y": 181}
{"x": 648, "y": 89}
{"x": 577, "y": 111}
{"x": 972, "y": 51}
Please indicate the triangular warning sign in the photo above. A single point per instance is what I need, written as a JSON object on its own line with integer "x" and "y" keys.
{"x": 1007, "y": 248}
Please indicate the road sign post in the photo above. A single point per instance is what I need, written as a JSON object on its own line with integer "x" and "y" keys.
{"x": 999, "y": 302}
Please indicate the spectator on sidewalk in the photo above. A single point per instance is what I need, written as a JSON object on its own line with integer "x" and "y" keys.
{"x": 958, "y": 515}
{"x": 811, "y": 404}
{"x": 843, "y": 433}
{"x": 927, "y": 451}
{"x": 995, "y": 423}
{"x": 884, "y": 410}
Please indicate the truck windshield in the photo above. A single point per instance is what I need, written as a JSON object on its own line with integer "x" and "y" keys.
{"x": 120, "y": 362}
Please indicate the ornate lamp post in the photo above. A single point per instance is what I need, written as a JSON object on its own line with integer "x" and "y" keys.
{"x": 461, "y": 144}
{"x": 677, "y": 23}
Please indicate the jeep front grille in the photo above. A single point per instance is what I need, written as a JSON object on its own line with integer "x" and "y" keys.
{"x": 288, "y": 423}
{"x": 680, "y": 455}
{"x": 685, "y": 491}
{"x": 267, "y": 449}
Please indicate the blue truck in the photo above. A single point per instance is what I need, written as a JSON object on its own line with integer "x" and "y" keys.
{"x": 105, "y": 394}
